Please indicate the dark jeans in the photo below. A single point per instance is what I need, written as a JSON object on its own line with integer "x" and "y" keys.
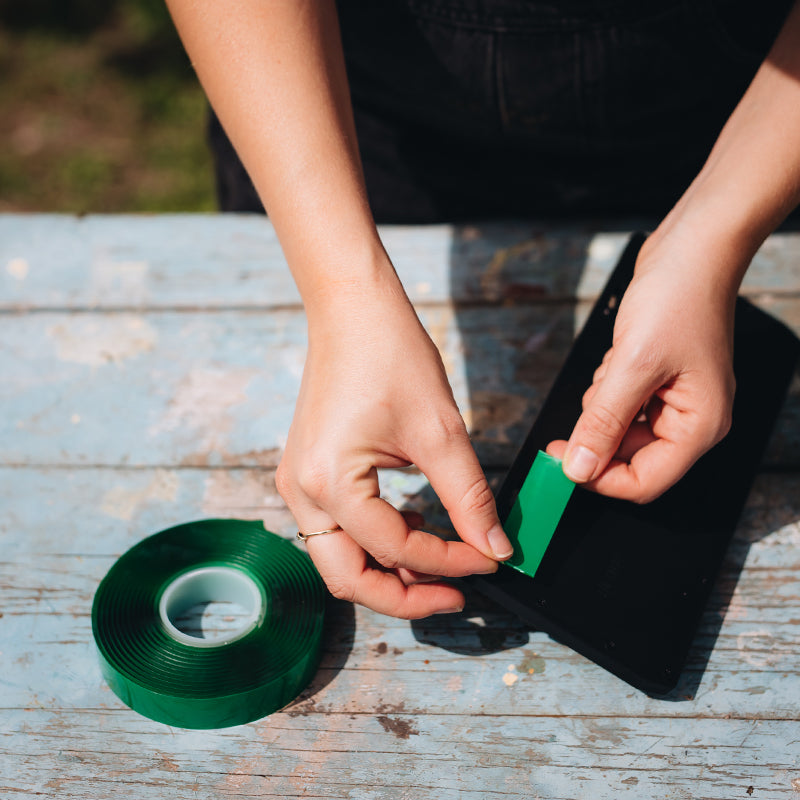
{"x": 473, "y": 109}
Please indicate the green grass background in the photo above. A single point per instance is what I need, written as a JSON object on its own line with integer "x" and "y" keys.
{"x": 100, "y": 110}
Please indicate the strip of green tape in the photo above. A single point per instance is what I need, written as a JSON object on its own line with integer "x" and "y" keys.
{"x": 536, "y": 512}
{"x": 220, "y": 685}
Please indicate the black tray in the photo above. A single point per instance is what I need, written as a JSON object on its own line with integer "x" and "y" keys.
{"x": 626, "y": 584}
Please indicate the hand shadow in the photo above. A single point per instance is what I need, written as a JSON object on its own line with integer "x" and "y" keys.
{"x": 337, "y": 642}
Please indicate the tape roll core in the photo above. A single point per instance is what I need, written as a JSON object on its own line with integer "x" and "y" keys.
{"x": 211, "y": 585}
{"x": 191, "y": 682}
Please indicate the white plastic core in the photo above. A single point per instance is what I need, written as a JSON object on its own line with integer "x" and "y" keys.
{"x": 211, "y": 585}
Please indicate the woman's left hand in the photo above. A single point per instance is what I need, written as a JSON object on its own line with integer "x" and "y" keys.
{"x": 664, "y": 392}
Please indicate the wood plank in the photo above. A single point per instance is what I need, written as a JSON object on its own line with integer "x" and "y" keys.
{"x": 213, "y": 261}
{"x": 166, "y": 388}
{"x": 216, "y": 261}
{"x": 216, "y": 389}
{"x": 100, "y": 512}
{"x": 388, "y": 754}
{"x": 481, "y": 662}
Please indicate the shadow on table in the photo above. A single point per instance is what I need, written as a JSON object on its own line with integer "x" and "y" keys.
{"x": 513, "y": 288}
{"x": 338, "y": 637}
{"x": 760, "y": 518}
{"x": 482, "y": 628}
{"x": 513, "y": 291}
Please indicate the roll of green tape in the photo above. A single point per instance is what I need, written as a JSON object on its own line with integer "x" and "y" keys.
{"x": 187, "y": 681}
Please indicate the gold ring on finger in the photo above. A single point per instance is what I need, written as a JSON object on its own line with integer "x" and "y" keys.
{"x": 303, "y": 536}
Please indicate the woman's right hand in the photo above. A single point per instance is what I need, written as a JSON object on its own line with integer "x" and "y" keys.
{"x": 374, "y": 392}
{"x": 375, "y": 395}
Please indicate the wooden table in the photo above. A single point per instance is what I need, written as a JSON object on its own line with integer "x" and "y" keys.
{"x": 149, "y": 367}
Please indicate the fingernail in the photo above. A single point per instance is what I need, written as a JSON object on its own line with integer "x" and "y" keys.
{"x": 580, "y": 464}
{"x": 499, "y": 543}
{"x": 454, "y": 610}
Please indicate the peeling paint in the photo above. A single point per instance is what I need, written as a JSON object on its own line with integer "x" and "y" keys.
{"x": 245, "y": 495}
{"x": 169, "y": 764}
{"x": 119, "y": 279}
{"x": 492, "y": 278}
{"x": 509, "y": 679}
{"x": 99, "y": 340}
{"x": 494, "y": 413}
{"x": 736, "y": 609}
{"x": 17, "y": 268}
{"x": 401, "y": 728}
{"x": 759, "y": 648}
{"x": 241, "y": 776}
{"x": 202, "y": 402}
{"x": 123, "y": 503}
{"x": 532, "y": 663}
{"x": 224, "y": 491}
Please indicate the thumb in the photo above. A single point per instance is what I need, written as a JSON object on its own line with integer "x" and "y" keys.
{"x": 612, "y": 406}
{"x": 458, "y": 480}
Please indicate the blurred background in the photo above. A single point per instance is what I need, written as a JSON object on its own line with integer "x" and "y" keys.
{"x": 100, "y": 110}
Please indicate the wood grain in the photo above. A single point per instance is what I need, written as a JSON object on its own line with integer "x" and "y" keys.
{"x": 149, "y": 369}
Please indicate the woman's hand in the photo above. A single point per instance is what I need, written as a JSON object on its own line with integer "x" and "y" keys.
{"x": 671, "y": 354}
{"x": 375, "y": 395}
{"x": 664, "y": 392}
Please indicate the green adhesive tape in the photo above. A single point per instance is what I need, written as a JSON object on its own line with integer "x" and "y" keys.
{"x": 537, "y": 511}
{"x": 231, "y": 678}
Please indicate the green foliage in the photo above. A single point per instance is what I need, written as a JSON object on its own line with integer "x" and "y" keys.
{"x": 101, "y": 110}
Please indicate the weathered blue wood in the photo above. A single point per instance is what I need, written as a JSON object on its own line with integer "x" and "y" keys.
{"x": 91, "y": 512}
{"x": 392, "y": 755}
{"x": 49, "y": 574}
{"x": 218, "y": 388}
{"x": 215, "y": 261}
{"x": 139, "y": 392}
{"x": 431, "y": 667}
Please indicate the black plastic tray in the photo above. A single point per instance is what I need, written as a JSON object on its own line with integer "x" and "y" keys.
{"x": 626, "y": 584}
